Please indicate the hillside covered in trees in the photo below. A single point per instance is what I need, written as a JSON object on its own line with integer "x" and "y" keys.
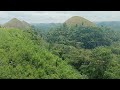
{"x": 75, "y": 49}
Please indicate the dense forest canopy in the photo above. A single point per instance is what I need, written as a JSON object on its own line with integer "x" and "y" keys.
{"x": 21, "y": 57}
{"x": 59, "y": 51}
{"x": 90, "y": 50}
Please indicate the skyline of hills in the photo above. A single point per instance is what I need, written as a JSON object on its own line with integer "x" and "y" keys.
{"x": 77, "y": 20}
{"x": 15, "y": 23}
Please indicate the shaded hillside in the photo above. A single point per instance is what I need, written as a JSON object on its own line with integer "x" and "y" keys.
{"x": 15, "y": 23}
{"x": 78, "y": 21}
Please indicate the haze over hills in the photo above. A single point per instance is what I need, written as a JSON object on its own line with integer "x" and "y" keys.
{"x": 24, "y": 22}
{"x": 115, "y": 25}
{"x": 73, "y": 21}
{"x": 80, "y": 21}
{"x": 15, "y": 23}
{"x": 46, "y": 26}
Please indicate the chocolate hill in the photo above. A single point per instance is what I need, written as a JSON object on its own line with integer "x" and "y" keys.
{"x": 80, "y": 21}
{"x": 15, "y": 23}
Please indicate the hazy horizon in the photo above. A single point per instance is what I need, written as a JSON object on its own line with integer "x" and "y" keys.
{"x": 58, "y": 16}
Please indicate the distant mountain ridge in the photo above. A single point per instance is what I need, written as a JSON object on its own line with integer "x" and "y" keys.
{"x": 80, "y": 21}
{"x": 46, "y": 26}
{"x": 15, "y": 23}
{"x": 115, "y": 25}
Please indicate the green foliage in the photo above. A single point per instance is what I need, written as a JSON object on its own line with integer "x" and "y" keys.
{"x": 68, "y": 53}
{"x": 113, "y": 72}
{"x": 75, "y": 57}
{"x": 22, "y": 58}
{"x": 76, "y": 49}
{"x": 93, "y": 51}
{"x": 85, "y": 37}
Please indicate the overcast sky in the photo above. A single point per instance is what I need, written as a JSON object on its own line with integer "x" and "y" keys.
{"x": 58, "y": 16}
